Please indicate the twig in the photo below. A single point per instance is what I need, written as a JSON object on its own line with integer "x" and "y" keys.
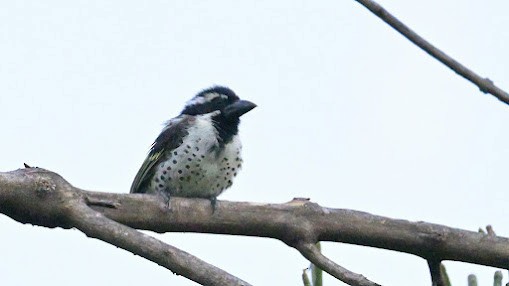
{"x": 313, "y": 254}
{"x": 484, "y": 84}
{"x": 435, "y": 269}
{"x": 305, "y": 278}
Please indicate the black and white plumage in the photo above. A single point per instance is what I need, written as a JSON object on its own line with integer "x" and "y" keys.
{"x": 198, "y": 153}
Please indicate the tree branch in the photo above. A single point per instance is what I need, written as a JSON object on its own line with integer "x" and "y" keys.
{"x": 435, "y": 269}
{"x": 484, "y": 84}
{"x": 41, "y": 197}
{"x": 300, "y": 221}
{"x": 179, "y": 262}
{"x": 313, "y": 254}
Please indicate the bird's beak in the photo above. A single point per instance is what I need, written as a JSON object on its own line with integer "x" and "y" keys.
{"x": 238, "y": 108}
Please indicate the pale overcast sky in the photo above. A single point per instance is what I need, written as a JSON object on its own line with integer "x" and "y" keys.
{"x": 349, "y": 113}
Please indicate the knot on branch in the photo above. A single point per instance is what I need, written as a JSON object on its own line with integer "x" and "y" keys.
{"x": 486, "y": 85}
{"x": 45, "y": 188}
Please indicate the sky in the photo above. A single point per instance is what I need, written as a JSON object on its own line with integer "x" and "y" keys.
{"x": 350, "y": 114}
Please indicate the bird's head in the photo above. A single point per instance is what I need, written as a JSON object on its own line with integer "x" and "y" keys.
{"x": 227, "y": 108}
{"x": 218, "y": 98}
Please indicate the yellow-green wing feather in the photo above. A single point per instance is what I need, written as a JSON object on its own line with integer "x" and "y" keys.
{"x": 170, "y": 138}
{"x": 141, "y": 178}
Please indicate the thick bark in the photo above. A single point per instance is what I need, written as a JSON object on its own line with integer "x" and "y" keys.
{"x": 43, "y": 198}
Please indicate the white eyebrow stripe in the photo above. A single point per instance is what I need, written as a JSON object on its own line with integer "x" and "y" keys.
{"x": 205, "y": 98}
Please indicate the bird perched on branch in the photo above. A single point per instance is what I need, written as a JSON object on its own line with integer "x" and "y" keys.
{"x": 198, "y": 153}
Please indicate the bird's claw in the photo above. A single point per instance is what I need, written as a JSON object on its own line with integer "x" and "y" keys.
{"x": 166, "y": 198}
{"x": 213, "y": 203}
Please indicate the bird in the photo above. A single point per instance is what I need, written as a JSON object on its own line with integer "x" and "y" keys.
{"x": 198, "y": 153}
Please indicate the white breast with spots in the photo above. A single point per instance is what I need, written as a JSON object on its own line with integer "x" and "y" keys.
{"x": 199, "y": 168}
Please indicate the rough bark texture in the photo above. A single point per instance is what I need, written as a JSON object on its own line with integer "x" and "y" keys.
{"x": 40, "y": 197}
{"x": 303, "y": 221}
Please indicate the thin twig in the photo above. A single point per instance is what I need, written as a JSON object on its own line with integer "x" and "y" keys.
{"x": 435, "y": 269}
{"x": 305, "y": 278}
{"x": 484, "y": 84}
{"x": 313, "y": 254}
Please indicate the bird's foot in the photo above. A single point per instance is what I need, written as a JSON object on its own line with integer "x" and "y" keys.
{"x": 213, "y": 203}
{"x": 166, "y": 198}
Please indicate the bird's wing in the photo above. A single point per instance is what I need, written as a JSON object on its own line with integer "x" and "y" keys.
{"x": 170, "y": 138}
